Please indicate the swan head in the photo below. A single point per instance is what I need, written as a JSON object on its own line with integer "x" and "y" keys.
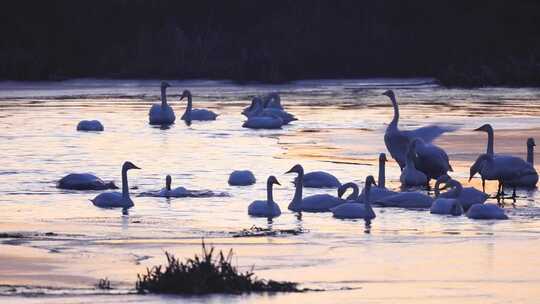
{"x": 382, "y": 157}
{"x": 185, "y": 94}
{"x": 370, "y": 180}
{"x": 443, "y": 179}
{"x": 168, "y": 181}
{"x": 485, "y": 128}
{"x": 530, "y": 142}
{"x": 389, "y": 93}
{"x": 296, "y": 169}
{"x": 165, "y": 85}
{"x": 128, "y": 166}
{"x": 272, "y": 180}
{"x": 343, "y": 188}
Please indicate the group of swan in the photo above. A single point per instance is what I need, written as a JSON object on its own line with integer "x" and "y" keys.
{"x": 266, "y": 112}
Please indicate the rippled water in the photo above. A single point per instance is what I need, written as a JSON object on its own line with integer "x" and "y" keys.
{"x": 406, "y": 256}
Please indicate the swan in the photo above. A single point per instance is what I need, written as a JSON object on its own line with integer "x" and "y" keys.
{"x": 468, "y": 196}
{"x": 162, "y": 114}
{"x": 412, "y": 200}
{"x": 117, "y": 199}
{"x": 266, "y": 208}
{"x": 431, "y": 159}
{"x": 503, "y": 168}
{"x": 530, "y": 179}
{"x": 410, "y": 176}
{"x": 397, "y": 141}
{"x": 90, "y": 125}
{"x": 253, "y": 107}
{"x": 241, "y": 178}
{"x": 320, "y": 179}
{"x": 195, "y": 114}
{"x": 379, "y": 191}
{"x": 486, "y": 212}
{"x": 169, "y": 192}
{"x": 355, "y": 209}
{"x": 263, "y": 122}
{"x": 351, "y": 197}
{"x": 262, "y": 107}
{"x": 313, "y": 203}
{"x": 84, "y": 181}
{"x": 447, "y": 205}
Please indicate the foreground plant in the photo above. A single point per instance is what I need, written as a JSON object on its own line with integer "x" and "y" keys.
{"x": 204, "y": 275}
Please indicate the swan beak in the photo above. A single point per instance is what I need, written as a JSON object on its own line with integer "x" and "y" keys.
{"x": 479, "y": 129}
{"x": 135, "y": 167}
{"x": 290, "y": 171}
{"x": 277, "y": 183}
{"x": 181, "y": 97}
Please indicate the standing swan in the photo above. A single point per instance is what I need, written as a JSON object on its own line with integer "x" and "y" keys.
{"x": 355, "y": 209}
{"x": 116, "y": 199}
{"x": 442, "y": 205}
{"x": 431, "y": 159}
{"x": 195, "y": 114}
{"x": 267, "y": 208}
{"x": 410, "y": 176}
{"x": 380, "y": 191}
{"x": 162, "y": 114}
{"x": 397, "y": 141}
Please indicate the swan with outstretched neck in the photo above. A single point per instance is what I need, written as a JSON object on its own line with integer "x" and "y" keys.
{"x": 266, "y": 208}
{"x": 116, "y": 199}
{"x": 313, "y": 203}
{"x": 447, "y": 205}
{"x": 356, "y": 209}
{"x": 162, "y": 114}
{"x": 379, "y": 191}
{"x": 397, "y": 141}
{"x": 195, "y": 114}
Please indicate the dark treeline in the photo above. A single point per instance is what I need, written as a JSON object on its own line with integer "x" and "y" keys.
{"x": 460, "y": 42}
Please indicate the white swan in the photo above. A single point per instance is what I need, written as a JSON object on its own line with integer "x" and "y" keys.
{"x": 241, "y": 178}
{"x": 356, "y": 209}
{"x": 90, "y": 125}
{"x": 530, "y": 179}
{"x": 117, "y": 199}
{"x": 397, "y": 141}
{"x": 263, "y": 122}
{"x": 162, "y": 114}
{"x": 84, "y": 181}
{"x": 267, "y": 208}
{"x": 486, "y": 212}
{"x": 502, "y": 168}
{"x": 411, "y": 200}
{"x": 180, "y": 192}
{"x": 431, "y": 159}
{"x": 380, "y": 191}
{"x": 266, "y": 107}
{"x": 195, "y": 114}
{"x": 447, "y": 205}
{"x": 313, "y": 203}
{"x": 410, "y": 176}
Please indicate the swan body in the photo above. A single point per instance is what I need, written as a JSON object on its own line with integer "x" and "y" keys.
{"x": 431, "y": 159}
{"x": 356, "y": 209}
{"x": 410, "y": 176}
{"x": 313, "y": 203}
{"x": 241, "y": 178}
{"x": 162, "y": 114}
{"x": 397, "y": 141}
{"x": 263, "y": 122}
{"x": 84, "y": 181}
{"x": 179, "y": 192}
{"x": 266, "y": 208}
{"x": 486, "y": 212}
{"x": 379, "y": 191}
{"x": 89, "y": 125}
{"x": 320, "y": 179}
{"x": 411, "y": 200}
{"x": 117, "y": 199}
{"x": 445, "y": 205}
{"x": 195, "y": 114}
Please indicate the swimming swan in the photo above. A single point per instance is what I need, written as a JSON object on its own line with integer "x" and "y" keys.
{"x": 177, "y": 192}
{"x": 320, "y": 179}
{"x": 410, "y": 176}
{"x": 486, "y": 212}
{"x": 467, "y": 197}
{"x": 530, "y": 179}
{"x": 267, "y": 208}
{"x": 445, "y": 205}
{"x": 84, "y": 181}
{"x": 263, "y": 122}
{"x": 313, "y": 203}
{"x": 241, "y": 178}
{"x": 379, "y": 191}
{"x": 397, "y": 141}
{"x": 162, "y": 114}
{"x": 267, "y": 107}
{"x": 90, "y": 125}
{"x": 195, "y": 114}
{"x": 356, "y": 209}
{"x": 117, "y": 199}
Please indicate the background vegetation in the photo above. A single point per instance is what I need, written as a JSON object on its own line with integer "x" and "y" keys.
{"x": 460, "y": 42}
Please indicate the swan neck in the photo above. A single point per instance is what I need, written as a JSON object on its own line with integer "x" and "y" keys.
{"x": 395, "y": 120}
{"x": 163, "y": 96}
{"x": 490, "y": 142}
{"x": 125, "y": 186}
{"x": 458, "y": 187}
{"x": 298, "y": 188}
{"x": 530, "y": 155}
{"x": 355, "y": 192}
{"x": 189, "y": 106}
{"x": 366, "y": 190}
{"x": 382, "y": 173}
{"x": 437, "y": 188}
{"x": 269, "y": 195}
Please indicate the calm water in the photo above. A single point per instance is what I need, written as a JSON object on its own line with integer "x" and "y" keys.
{"x": 405, "y": 257}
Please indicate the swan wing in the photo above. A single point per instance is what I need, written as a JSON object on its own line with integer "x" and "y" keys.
{"x": 429, "y": 133}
